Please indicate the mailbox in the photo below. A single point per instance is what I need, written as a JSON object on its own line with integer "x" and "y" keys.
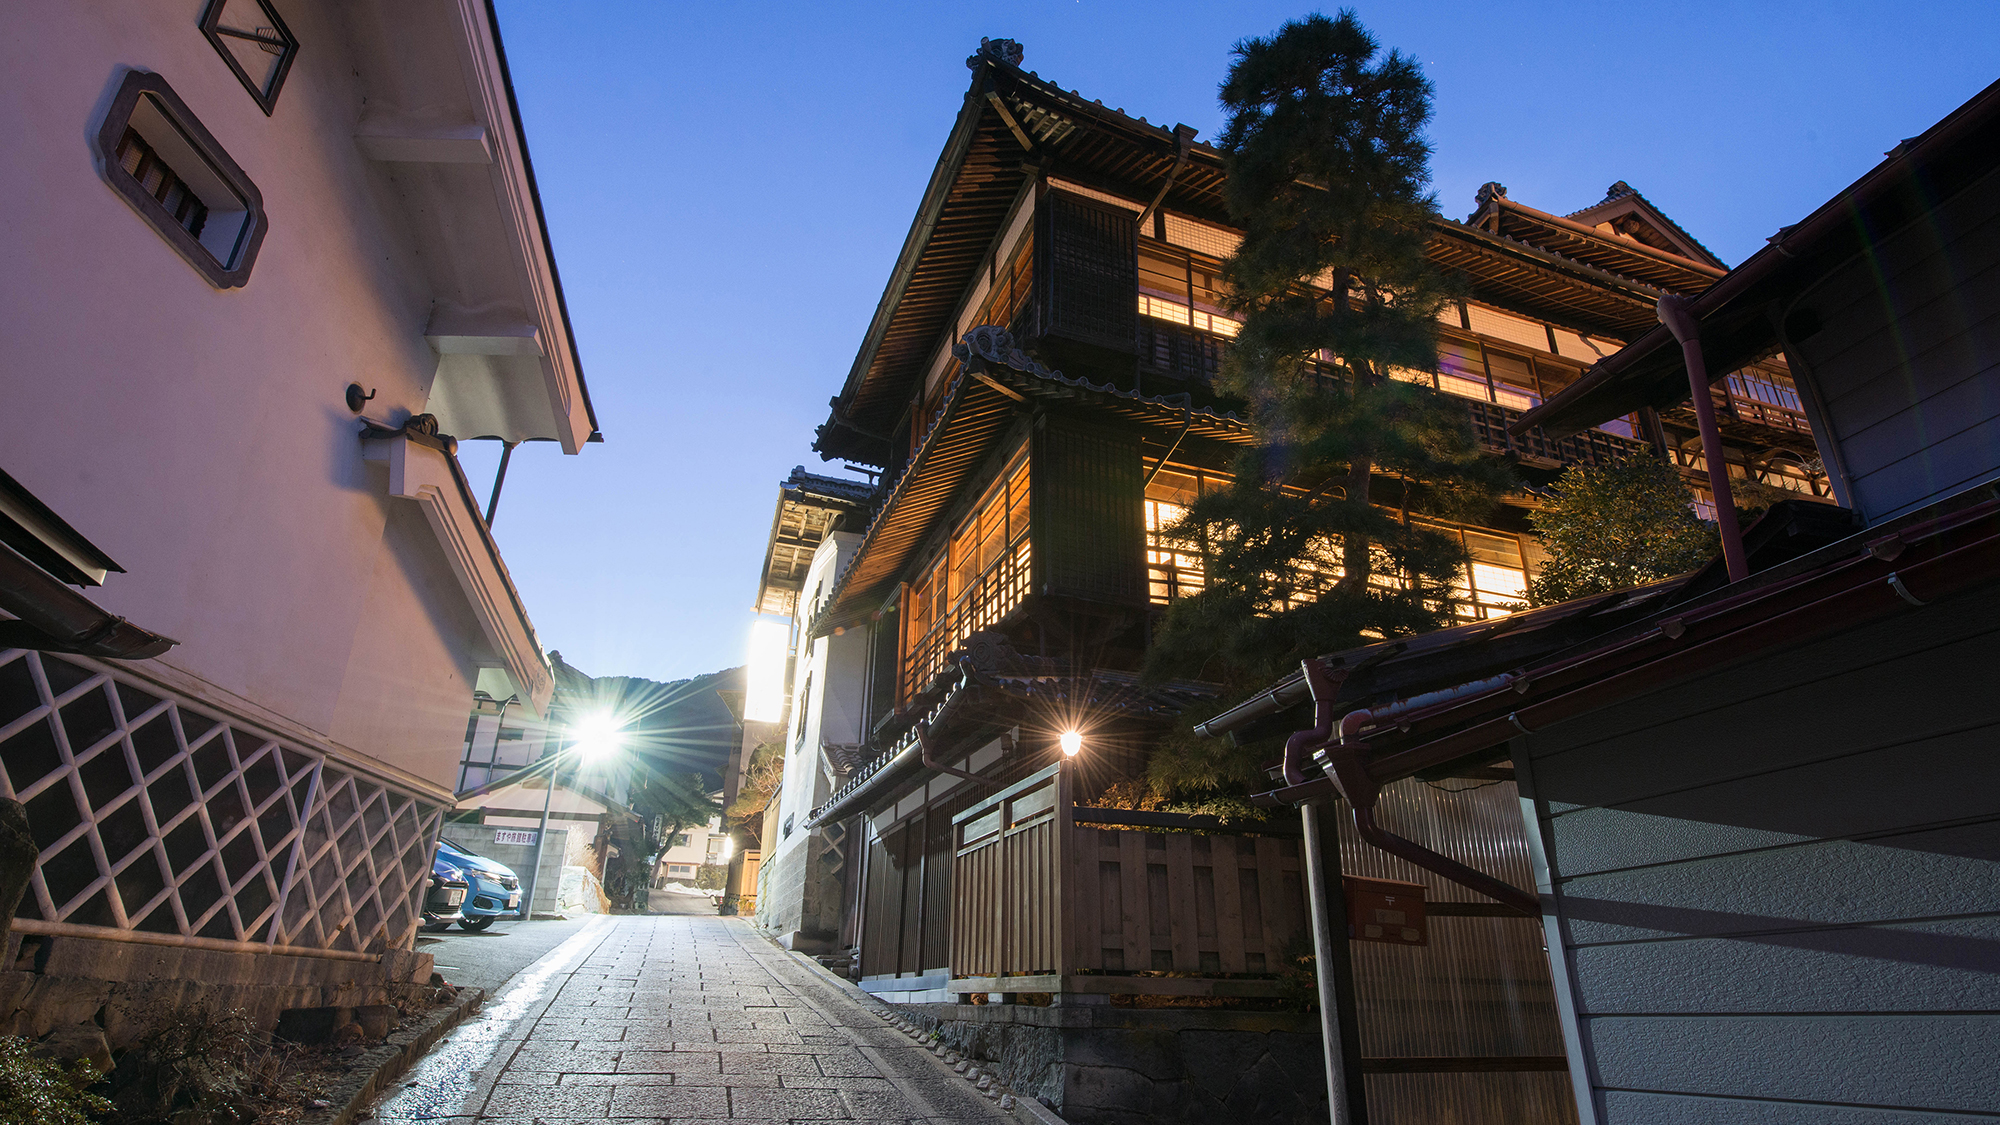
{"x": 1385, "y": 910}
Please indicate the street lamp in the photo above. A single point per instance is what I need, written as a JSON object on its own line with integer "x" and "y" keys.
{"x": 1071, "y": 742}
{"x": 596, "y": 736}
{"x": 592, "y": 738}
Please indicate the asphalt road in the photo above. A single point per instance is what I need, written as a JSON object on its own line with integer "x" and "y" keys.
{"x": 491, "y": 957}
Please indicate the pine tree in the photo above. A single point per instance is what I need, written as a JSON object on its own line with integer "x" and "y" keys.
{"x": 1615, "y": 526}
{"x": 1318, "y": 545}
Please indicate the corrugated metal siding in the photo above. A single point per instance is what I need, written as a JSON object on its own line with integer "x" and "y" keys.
{"x": 1482, "y": 985}
{"x": 1907, "y": 358}
{"x": 1089, "y": 513}
{"x": 1780, "y": 883}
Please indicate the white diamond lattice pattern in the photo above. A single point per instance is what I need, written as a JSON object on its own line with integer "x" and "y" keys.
{"x": 157, "y": 815}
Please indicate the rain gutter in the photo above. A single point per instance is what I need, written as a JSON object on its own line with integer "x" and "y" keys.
{"x": 51, "y": 617}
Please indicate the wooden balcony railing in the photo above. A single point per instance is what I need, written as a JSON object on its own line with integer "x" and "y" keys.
{"x": 1043, "y": 903}
{"x": 990, "y": 597}
{"x": 1590, "y": 447}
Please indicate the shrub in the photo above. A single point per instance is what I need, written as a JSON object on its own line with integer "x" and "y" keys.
{"x": 45, "y": 1092}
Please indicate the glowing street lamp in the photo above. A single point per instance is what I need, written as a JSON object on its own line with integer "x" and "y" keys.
{"x": 592, "y": 738}
{"x": 596, "y": 736}
{"x": 1071, "y": 743}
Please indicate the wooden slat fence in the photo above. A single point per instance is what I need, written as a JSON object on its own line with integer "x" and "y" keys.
{"x": 1007, "y": 880}
{"x": 1183, "y": 902}
{"x": 1036, "y": 894}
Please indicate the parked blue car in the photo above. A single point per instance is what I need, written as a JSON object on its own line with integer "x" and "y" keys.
{"x": 492, "y": 891}
{"x": 444, "y": 899}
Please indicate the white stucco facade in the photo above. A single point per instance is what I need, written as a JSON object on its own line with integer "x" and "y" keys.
{"x": 198, "y": 435}
{"x": 829, "y": 680}
{"x": 327, "y": 573}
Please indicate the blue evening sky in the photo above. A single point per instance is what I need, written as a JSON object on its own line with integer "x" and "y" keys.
{"x": 728, "y": 185}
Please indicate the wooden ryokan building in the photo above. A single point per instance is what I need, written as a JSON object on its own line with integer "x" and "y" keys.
{"x": 1034, "y": 391}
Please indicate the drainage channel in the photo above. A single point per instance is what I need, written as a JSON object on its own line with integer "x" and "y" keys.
{"x": 449, "y": 1078}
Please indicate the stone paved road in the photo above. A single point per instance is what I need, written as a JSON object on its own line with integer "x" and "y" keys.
{"x": 678, "y": 1019}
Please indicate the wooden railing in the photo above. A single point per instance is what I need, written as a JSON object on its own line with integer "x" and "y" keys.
{"x": 1046, "y": 900}
{"x": 991, "y": 596}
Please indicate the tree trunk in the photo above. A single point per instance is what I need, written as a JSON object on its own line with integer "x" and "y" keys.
{"x": 1357, "y": 560}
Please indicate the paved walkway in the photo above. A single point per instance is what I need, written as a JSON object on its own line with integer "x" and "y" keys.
{"x": 680, "y": 1019}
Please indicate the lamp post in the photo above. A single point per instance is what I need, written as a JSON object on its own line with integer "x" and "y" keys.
{"x": 590, "y": 738}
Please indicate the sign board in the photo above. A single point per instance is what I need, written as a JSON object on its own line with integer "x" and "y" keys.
{"x": 514, "y": 836}
{"x": 1385, "y": 910}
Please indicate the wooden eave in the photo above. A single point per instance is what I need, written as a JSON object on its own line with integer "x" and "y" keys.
{"x": 988, "y": 391}
{"x": 1630, "y": 202}
{"x": 972, "y": 419}
{"x": 1579, "y": 242}
{"x": 1735, "y": 313}
{"x": 1513, "y": 274}
{"x": 972, "y": 189}
{"x": 808, "y": 506}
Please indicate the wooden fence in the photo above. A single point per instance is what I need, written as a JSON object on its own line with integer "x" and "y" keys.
{"x": 1041, "y": 903}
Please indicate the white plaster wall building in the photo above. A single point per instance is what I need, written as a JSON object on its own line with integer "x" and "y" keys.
{"x": 225, "y": 214}
{"x": 799, "y": 898}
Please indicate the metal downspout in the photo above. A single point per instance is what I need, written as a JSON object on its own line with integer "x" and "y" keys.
{"x": 1673, "y": 312}
{"x": 1322, "y": 895}
{"x": 1341, "y": 759}
{"x": 1350, "y": 774}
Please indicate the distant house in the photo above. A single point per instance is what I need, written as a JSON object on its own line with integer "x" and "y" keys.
{"x": 1762, "y": 805}
{"x": 270, "y": 265}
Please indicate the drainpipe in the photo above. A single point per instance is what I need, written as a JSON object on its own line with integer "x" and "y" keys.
{"x": 1673, "y": 312}
{"x": 1346, "y": 1101}
{"x": 1324, "y": 686}
{"x": 924, "y": 741}
{"x": 1350, "y": 774}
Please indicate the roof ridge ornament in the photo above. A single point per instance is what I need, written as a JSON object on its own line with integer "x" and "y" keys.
{"x": 1008, "y": 51}
{"x": 995, "y": 344}
{"x": 1619, "y": 190}
{"x": 1488, "y": 192}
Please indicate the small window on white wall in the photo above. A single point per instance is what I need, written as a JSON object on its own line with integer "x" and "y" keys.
{"x": 172, "y": 172}
{"x": 254, "y": 41}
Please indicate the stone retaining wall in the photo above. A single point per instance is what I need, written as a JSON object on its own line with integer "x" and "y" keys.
{"x": 122, "y": 986}
{"x": 1101, "y": 1065}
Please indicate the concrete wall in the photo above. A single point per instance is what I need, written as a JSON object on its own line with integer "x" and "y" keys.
{"x": 123, "y": 987}
{"x": 521, "y": 857}
{"x": 1131, "y": 1066}
{"x": 1777, "y": 886}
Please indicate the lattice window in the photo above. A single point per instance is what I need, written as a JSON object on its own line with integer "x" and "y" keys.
{"x": 158, "y": 816}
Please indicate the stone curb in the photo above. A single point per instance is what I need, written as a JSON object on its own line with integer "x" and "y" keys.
{"x": 381, "y": 1065}
{"x": 1027, "y": 1107}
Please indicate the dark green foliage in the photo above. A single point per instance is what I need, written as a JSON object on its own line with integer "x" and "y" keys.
{"x": 1321, "y": 542}
{"x": 1616, "y": 526}
{"x": 45, "y": 1092}
{"x": 1329, "y": 172}
{"x": 667, "y": 803}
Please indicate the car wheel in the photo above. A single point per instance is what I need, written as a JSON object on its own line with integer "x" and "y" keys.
{"x": 474, "y": 925}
